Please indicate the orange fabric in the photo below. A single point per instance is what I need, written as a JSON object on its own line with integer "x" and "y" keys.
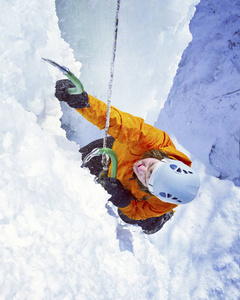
{"x": 133, "y": 138}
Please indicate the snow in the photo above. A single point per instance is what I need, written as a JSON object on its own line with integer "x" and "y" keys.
{"x": 59, "y": 238}
{"x": 211, "y": 91}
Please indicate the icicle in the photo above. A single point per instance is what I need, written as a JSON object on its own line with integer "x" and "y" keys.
{"x": 105, "y": 159}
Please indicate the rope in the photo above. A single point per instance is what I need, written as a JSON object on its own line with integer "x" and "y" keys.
{"x": 105, "y": 159}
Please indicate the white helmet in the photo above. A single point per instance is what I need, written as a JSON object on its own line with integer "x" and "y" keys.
{"x": 174, "y": 182}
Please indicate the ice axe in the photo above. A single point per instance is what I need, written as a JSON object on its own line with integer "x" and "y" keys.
{"x": 78, "y": 89}
{"x": 111, "y": 154}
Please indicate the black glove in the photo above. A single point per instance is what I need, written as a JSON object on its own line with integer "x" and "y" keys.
{"x": 75, "y": 101}
{"x": 120, "y": 196}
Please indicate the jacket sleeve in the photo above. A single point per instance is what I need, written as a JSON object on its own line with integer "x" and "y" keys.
{"x": 129, "y": 205}
{"x": 125, "y": 127}
{"x": 142, "y": 210}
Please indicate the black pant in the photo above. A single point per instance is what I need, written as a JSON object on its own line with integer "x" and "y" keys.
{"x": 150, "y": 225}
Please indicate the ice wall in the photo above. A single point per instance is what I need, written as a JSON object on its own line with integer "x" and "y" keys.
{"x": 57, "y": 238}
{"x": 203, "y": 109}
{"x": 152, "y": 36}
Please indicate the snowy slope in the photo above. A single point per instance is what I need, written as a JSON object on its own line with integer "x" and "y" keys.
{"x": 58, "y": 239}
{"x": 204, "y": 99}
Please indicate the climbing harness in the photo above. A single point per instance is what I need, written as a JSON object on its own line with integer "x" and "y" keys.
{"x": 105, "y": 161}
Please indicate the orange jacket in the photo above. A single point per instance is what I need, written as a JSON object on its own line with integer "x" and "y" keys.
{"x": 133, "y": 138}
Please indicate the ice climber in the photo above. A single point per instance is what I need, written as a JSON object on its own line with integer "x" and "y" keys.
{"x": 153, "y": 177}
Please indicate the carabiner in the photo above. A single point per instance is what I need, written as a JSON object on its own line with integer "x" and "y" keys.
{"x": 93, "y": 153}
